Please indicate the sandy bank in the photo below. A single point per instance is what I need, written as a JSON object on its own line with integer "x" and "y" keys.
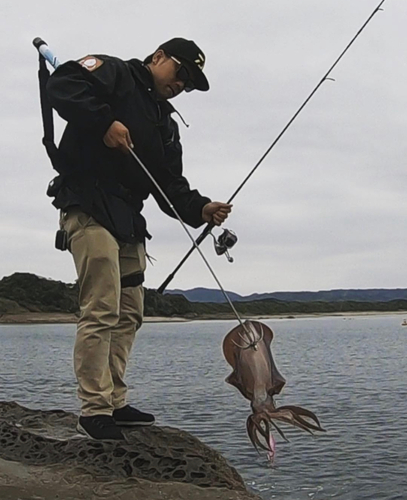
{"x": 43, "y": 318}
{"x": 61, "y": 318}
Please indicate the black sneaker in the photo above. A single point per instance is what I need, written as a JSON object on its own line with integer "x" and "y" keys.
{"x": 99, "y": 427}
{"x": 131, "y": 416}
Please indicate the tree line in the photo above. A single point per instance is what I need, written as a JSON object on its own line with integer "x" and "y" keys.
{"x": 25, "y": 292}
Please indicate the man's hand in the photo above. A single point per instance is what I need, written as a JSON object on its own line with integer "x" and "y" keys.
{"x": 118, "y": 136}
{"x": 216, "y": 212}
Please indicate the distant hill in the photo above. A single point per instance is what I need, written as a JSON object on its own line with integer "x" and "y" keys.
{"x": 206, "y": 295}
{"x": 24, "y": 293}
{"x": 359, "y": 295}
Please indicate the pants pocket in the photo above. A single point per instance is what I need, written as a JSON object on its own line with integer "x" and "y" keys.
{"x": 74, "y": 221}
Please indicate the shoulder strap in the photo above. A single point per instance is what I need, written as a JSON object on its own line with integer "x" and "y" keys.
{"x": 47, "y": 117}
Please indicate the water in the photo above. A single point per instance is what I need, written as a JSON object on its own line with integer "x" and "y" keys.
{"x": 350, "y": 371}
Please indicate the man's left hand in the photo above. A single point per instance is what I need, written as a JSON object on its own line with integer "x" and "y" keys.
{"x": 216, "y": 212}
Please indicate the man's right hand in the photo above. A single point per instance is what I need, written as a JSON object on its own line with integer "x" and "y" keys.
{"x": 216, "y": 212}
{"x": 118, "y": 136}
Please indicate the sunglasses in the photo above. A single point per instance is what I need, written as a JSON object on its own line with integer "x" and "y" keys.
{"x": 183, "y": 75}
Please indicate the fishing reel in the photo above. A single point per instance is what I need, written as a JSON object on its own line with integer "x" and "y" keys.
{"x": 224, "y": 242}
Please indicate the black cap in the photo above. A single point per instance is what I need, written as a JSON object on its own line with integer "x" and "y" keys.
{"x": 192, "y": 56}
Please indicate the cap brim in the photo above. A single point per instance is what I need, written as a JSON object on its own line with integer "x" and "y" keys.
{"x": 198, "y": 77}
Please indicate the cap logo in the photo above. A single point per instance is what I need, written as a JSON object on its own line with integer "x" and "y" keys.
{"x": 200, "y": 62}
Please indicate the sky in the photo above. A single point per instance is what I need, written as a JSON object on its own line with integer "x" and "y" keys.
{"x": 327, "y": 208}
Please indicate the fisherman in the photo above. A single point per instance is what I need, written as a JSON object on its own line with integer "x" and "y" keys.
{"x": 111, "y": 105}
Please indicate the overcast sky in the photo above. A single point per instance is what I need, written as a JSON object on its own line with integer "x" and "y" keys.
{"x": 328, "y": 207}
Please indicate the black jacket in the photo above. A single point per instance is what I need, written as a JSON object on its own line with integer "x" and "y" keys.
{"x": 106, "y": 183}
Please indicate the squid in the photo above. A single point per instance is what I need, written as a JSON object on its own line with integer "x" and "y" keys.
{"x": 247, "y": 350}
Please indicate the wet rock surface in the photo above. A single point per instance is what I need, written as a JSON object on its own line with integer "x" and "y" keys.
{"x": 42, "y": 455}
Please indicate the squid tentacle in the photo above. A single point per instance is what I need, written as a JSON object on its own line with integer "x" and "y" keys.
{"x": 259, "y": 429}
{"x": 299, "y": 410}
{"x": 297, "y": 416}
{"x": 289, "y": 417}
{"x": 310, "y": 427}
{"x": 279, "y": 431}
{"x": 252, "y": 432}
{"x": 254, "y": 427}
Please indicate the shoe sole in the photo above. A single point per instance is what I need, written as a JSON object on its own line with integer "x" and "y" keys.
{"x": 82, "y": 430}
{"x": 134, "y": 424}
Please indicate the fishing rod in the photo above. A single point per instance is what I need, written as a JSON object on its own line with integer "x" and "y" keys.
{"x": 208, "y": 228}
{"x": 47, "y": 55}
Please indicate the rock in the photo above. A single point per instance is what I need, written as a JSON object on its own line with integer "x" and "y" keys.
{"x": 43, "y": 457}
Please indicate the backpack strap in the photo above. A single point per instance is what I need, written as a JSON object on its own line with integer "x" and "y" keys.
{"x": 47, "y": 117}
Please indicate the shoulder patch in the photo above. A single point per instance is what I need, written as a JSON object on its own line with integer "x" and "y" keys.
{"x": 90, "y": 63}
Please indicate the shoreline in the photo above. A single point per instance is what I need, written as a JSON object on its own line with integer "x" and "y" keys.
{"x": 71, "y": 318}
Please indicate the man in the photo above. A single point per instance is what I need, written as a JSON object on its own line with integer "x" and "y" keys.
{"x": 110, "y": 106}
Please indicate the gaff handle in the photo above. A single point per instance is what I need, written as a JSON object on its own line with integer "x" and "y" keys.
{"x": 46, "y": 52}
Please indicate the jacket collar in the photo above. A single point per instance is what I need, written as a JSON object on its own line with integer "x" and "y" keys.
{"x": 142, "y": 74}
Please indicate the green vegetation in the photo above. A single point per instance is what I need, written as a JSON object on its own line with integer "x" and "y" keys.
{"x": 24, "y": 292}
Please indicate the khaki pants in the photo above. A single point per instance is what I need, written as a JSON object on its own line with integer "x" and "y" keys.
{"x": 109, "y": 314}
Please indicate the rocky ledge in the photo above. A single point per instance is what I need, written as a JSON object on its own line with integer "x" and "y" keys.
{"x": 42, "y": 457}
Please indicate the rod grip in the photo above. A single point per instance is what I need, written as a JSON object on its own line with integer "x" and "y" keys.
{"x": 164, "y": 285}
{"x": 198, "y": 241}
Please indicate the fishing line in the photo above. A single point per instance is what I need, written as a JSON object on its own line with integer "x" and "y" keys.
{"x": 210, "y": 226}
{"x": 167, "y": 200}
